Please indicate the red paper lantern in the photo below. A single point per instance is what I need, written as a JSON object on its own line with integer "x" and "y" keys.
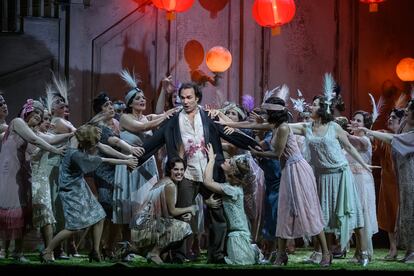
{"x": 273, "y": 13}
{"x": 405, "y": 69}
{"x": 218, "y": 59}
{"x": 173, "y": 6}
{"x": 373, "y": 4}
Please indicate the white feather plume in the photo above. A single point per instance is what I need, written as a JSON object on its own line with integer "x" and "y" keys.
{"x": 268, "y": 94}
{"x": 49, "y": 97}
{"x": 283, "y": 93}
{"x": 328, "y": 86}
{"x": 401, "y": 101}
{"x": 129, "y": 78}
{"x": 62, "y": 86}
{"x": 376, "y": 107}
{"x": 299, "y": 104}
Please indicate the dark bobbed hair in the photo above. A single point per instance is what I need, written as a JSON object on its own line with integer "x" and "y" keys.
{"x": 399, "y": 112}
{"x": 193, "y": 85}
{"x": 277, "y": 117}
{"x": 171, "y": 163}
{"x": 99, "y": 101}
{"x": 323, "y": 109}
{"x": 366, "y": 116}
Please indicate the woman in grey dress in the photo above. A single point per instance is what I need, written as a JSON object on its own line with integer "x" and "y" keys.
{"x": 81, "y": 209}
{"x": 403, "y": 156}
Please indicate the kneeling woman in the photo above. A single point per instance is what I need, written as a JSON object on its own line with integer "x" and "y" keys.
{"x": 240, "y": 251}
{"x": 80, "y": 207}
{"x": 154, "y": 228}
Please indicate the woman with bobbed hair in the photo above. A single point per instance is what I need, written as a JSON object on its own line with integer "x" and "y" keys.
{"x": 81, "y": 208}
{"x": 341, "y": 208}
{"x": 388, "y": 195}
{"x": 299, "y": 211}
{"x": 402, "y": 145}
{"x": 15, "y": 175}
{"x": 155, "y": 227}
{"x": 364, "y": 179}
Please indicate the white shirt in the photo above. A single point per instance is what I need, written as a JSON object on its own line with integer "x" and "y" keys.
{"x": 194, "y": 146}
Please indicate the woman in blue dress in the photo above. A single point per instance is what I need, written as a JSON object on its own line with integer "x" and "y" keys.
{"x": 240, "y": 251}
{"x": 81, "y": 208}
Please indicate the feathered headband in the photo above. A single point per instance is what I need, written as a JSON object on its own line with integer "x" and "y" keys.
{"x": 282, "y": 93}
{"x": 132, "y": 83}
{"x": 299, "y": 104}
{"x": 328, "y": 89}
{"x": 61, "y": 88}
{"x": 236, "y": 108}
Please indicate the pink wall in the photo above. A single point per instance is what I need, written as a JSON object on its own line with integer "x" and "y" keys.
{"x": 361, "y": 49}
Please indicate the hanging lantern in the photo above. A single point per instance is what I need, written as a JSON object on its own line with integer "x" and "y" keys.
{"x": 173, "y": 6}
{"x": 218, "y": 59}
{"x": 273, "y": 13}
{"x": 405, "y": 69}
{"x": 373, "y": 4}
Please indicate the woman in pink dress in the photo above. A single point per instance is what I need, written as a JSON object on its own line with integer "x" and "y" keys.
{"x": 299, "y": 211}
{"x": 15, "y": 175}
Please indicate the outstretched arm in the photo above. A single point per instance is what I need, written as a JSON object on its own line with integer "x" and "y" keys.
{"x": 247, "y": 124}
{"x": 342, "y": 137}
{"x": 298, "y": 128}
{"x": 383, "y": 136}
{"x": 239, "y": 139}
{"x": 54, "y": 139}
{"x": 359, "y": 142}
{"x": 108, "y": 150}
{"x": 24, "y": 131}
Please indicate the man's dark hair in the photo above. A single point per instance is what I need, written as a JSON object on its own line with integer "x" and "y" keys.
{"x": 195, "y": 86}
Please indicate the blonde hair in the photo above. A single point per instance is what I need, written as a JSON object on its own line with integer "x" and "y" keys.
{"x": 241, "y": 172}
{"x": 87, "y": 136}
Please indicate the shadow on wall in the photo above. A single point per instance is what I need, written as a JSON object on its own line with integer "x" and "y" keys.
{"x": 24, "y": 70}
{"x": 194, "y": 56}
{"x": 134, "y": 60}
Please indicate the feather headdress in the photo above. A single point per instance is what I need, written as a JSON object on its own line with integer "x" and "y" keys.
{"x": 376, "y": 107}
{"x": 299, "y": 104}
{"x": 283, "y": 93}
{"x": 132, "y": 82}
{"x": 48, "y": 100}
{"x": 129, "y": 78}
{"x": 328, "y": 89}
{"x": 401, "y": 102}
{"x": 61, "y": 86}
{"x": 268, "y": 94}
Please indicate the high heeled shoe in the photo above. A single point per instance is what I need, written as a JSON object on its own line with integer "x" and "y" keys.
{"x": 314, "y": 258}
{"x": 281, "y": 258}
{"x": 108, "y": 254}
{"x": 326, "y": 260}
{"x": 364, "y": 258}
{"x": 20, "y": 258}
{"x": 46, "y": 257}
{"x": 94, "y": 257}
{"x": 73, "y": 251}
{"x": 4, "y": 254}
